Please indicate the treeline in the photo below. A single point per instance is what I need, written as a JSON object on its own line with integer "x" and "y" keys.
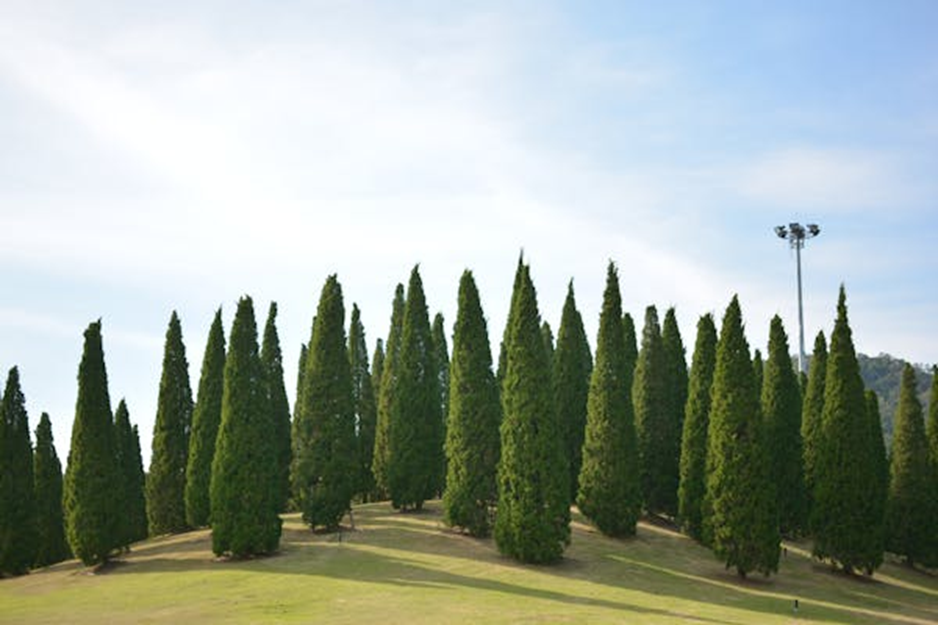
{"x": 736, "y": 449}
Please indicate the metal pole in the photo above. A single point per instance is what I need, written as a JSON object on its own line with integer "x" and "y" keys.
{"x": 798, "y": 243}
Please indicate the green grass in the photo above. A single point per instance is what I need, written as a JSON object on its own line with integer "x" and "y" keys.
{"x": 398, "y": 568}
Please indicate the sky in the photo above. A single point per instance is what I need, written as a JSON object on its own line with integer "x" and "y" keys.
{"x": 179, "y": 155}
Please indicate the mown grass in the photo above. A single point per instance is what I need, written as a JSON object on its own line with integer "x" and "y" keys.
{"x": 398, "y": 568}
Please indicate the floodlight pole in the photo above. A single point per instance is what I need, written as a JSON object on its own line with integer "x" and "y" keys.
{"x": 796, "y": 234}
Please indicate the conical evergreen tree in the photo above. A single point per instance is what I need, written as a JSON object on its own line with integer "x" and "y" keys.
{"x": 166, "y": 480}
{"x": 472, "y": 436}
{"x": 548, "y": 335}
{"x": 532, "y": 523}
{"x": 631, "y": 348}
{"x": 206, "y": 417}
{"x": 416, "y": 424}
{"x": 300, "y": 372}
{"x": 366, "y": 408}
{"x": 389, "y": 378}
{"x": 377, "y": 368}
{"x": 910, "y": 511}
{"x": 845, "y": 529}
{"x": 272, "y": 358}
{"x": 325, "y": 464}
{"x": 740, "y": 517}
{"x": 243, "y": 489}
{"x": 572, "y": 368}
{"x": 812, "y": 408}
{"x": 133, "y": 518}
{"x": 931, "y": 433}
{"x": 91, "y": 476}
{"x": 609, "y": 493}
{"x": 441, "y": 357}
{"x": 758, "y": 368}
{"x": 503, "y": 346}
{"x": 18, "y": 535}
{"x": 694, "y": 436}
{"x": 50, "y": 523}
{"x": 676, "y": 395}
{"x": 781, "y": 410}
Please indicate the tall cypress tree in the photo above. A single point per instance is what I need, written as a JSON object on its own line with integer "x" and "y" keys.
{"x": 910, "y": 511}
{"x": 377, "y": 368}
{"x": 845, "y": 528}
{"x": 572, "y": 368}
{"x": 609, "y": 493}
{"x": 694, "y": 436}
{"x": 51, "y": 546}
{"x": 272, "y": 358}
{"x": 812, "y": 408}
{"x": 631, "y": 348}
{"x": 758, "y": 369}
{"x": 18, "y": 536}
{"x": 366, "y": 408}
{"x": 503, "y": 346}
{"x": 931, "y": 433}
{"x": 472, "y": 437}
{"x": 325, "y": 465}
{"x": 166, "y": 480}
{"x": 676, "y": 395}
{"x": 441, "y": 356}
{"x": 740, "y": 519}
{"x": 532, "y": 523}
{"x": 655, "y": 428}
{"x": 206, "y": 417}
{"x": 416, "y": 431}
{"x": 389, "y": 376}
{"x": 133, "y": 517}
{"x": 91, "y": 476}
{"x": 781, "y": 409}
{"x": 243, "y": 491}
{"x": 548, "y": 335}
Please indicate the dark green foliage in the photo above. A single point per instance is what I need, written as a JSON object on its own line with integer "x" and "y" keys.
{"x": 532, "y": 523}
{"x": 325, "y": 465}
{"x": 910, "y": 510}
{"x": 244, "y": 487}
{"x": 740, "y": 517}
{"x": 812, "y": 408}
{"x": 676, "y": 395}
{"x": 781, "y": 410}
{"x": 572, "y": 368}
{"x": 694, "y": 436}
{"x": 472, "y": 436}
{"x": 18, "y": 535}
{"x": 416, "y": 425}
{"x": 548, "y": 335}
{"x": 931, "y": 433}
{"x": 300, "y": 371}
{"x": 206, "y": 417}
{"x": 272, "y": 359}
{"x": 51, "y": 546}
{"x": 503, "y": 346}
{"x": 91, "y": 477}
{"x": 366, "y": 408}
{"x": 133, "y": 505}
{"x": 377, "y": 368}
{"x": 441, "y": 357}
{"x": 653, "y": 421}
{"x": 389, "y": 378}
{"x": 757, "y": 370}
{"x": 631, "y": 348}
{"x": 166, "y": 479}
{"x": 609, "y": 493}
{"x": 846, "y": 526}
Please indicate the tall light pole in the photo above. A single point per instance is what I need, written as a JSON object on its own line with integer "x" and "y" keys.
{"x": 796, "y": 235}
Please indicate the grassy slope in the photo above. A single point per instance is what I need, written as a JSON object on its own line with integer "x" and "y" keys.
{"x": 407, "y": 568}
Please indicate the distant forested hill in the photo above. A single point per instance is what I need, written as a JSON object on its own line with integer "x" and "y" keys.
{"x": 883, "y": 374}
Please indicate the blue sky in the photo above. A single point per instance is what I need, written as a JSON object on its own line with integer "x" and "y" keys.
{"x": 179, "y": 155}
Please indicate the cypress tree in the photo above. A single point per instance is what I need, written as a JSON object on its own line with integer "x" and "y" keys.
{"x": 631, "y": 348}
{"x": 91, "y": 476}
{"x": 609, "y": 493}
{"x": 416, "y": 432}
{"x": 272, "y": 358}
{"x": 243, "y": 490}
{"x": 325, "y": 465}
{"x": 548, "y": 335}
{"x": 51, "y": 546}
{"x": 740, "y": 521}
{"x": 472, "y": 436}
{"x": 441, "y": 356}
{"x": 758, "y": 368}
{"x": 389, "y": 375}
{"x": 377, "y": 368}
{"x": 811, "y": 410}
{"x": 206, "y": 417}
{"x": 910, "y": 511}
{"x": 931, "y": 433}
{"x": 655, "y": 428}
{"x": 676, "y": 395}
{"x": 503, "y": 346}
{"x": 694, "y": 435}
{"x": 18, "y": 535}
{"x": 572, "y": 368}
{"x": 781, "y": 409}
{"x": 532, "y": 522}
{"x": 166, "y": 480}
{"x": 133, "y": 518}
{"x": 846, "y": 528}
{"x": 363, "y": 399}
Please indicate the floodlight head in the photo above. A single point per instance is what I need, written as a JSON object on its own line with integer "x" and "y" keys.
{"x": 797, "y": 230}
{"x": 814, "y": 229}
{"x": 781, "y": 232}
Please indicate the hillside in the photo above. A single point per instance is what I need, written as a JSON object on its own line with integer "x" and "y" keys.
{"x": 406, "y": 568}
{"x": 883, "y": 374}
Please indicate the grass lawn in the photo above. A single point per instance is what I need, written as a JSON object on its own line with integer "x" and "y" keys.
{"x": 407, "y": 568}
